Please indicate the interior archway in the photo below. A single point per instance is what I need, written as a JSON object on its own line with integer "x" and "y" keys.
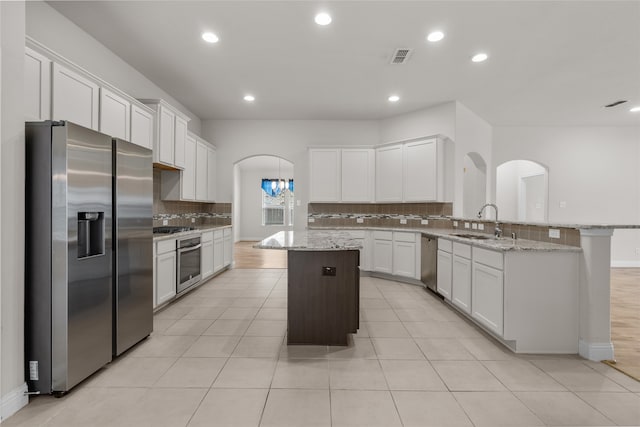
{"x": 522, "y": 191}
{"x": 474, "y": 185}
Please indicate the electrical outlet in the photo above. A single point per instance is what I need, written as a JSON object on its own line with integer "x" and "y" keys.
{"x": 455, "y": 223}
{"x": 466, "y": 225}
{"x": 311, "y": 220}
{"x": 480, "y": 226}
{"x": 165, "y": 222}
{"x": 424, "y": 222}
{"x": 359, "y": 220}
{"x": 474, "y": 226}
{"x": 403, "y": 221}
{"x": 554, "y": 233}
{"x": 193, "y": 220}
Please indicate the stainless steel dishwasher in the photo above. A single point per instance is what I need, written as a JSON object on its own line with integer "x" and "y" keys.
{"x": 429, "y": 262}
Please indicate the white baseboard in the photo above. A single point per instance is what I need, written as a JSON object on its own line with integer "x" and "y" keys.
{"x": 13, "y": 401}
{"x": 625, "y": 264}
{"x": 596, "y": 351}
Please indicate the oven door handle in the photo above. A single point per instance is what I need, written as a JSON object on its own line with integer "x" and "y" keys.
{"x": 190, "y": 248}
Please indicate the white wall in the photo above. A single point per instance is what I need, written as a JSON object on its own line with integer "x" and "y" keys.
{"x": 250, "y": 224}
{"x": 474, "y": 187}
{"x": 508, "y": 176}
{"x": 12, "y": 170}
{"x": 440, "y": 119}
{"x": 55, "y": 31}
{"x": 594, "y": 170}
{"x": 289, "y": 139}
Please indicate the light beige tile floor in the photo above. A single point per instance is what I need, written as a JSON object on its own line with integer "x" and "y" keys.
{"x": 217, "y": 357}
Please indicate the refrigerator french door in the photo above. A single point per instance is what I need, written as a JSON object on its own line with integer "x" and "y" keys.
{"x": 68, "y": 295}
{"x": 133, "y": 244}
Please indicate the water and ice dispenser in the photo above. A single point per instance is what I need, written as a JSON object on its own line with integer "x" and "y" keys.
{"x": 90, "y": 234}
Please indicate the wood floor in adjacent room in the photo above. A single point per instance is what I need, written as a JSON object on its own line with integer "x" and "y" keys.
{"x": 625, "y": 319}
{"x": 246, "y": 256}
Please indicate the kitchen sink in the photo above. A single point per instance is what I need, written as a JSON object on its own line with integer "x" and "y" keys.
{"x": 472, "y": 236}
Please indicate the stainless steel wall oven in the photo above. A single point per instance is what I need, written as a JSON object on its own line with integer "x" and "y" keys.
{"x": 188, "y": 262}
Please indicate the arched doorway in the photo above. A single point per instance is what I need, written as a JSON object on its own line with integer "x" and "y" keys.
{"x": 474, "y": 185}
{"x": 522, "y": 191}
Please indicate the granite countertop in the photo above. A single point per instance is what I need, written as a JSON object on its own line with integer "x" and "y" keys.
{"x": 502, "y": 244}
{"x": 198, "y": 229}
{"x": 311, "y": 240}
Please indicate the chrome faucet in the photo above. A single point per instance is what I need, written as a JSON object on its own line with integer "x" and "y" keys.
{"x": 498, "y": 231}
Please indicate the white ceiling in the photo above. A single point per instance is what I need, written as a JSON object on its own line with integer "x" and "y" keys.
{"x": 551, "y": 62}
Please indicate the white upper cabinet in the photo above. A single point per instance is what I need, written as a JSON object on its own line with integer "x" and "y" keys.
{"x": 75, "y": 98}
{"x": 211, "y": 174}
{"x": 170, "y": 134}
{"x": 389, "y": 173}
{"x": 115, "y": 115}
{"x": 202, "y": 171}
{"x": 179, "y": 141}
{"x": 357, "y": 174}
{"x": 324, "y": 175}
{"x": 189, "y": 172}
{"x": 420, "y": 171}
{"x": 37, "y": 86}
{"x": 141, "y": 127}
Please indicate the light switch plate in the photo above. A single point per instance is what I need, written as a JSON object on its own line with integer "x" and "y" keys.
{"x": 403, "y": 221}
{"x": 424, "y": 222}
{"x": 466, "y": 225}
{"x": 359, "y": 220}
{"x": 311, "y": 220}
{"x": 563, "y": 204}
{"x": 455, "y": 223}
{"x": 474, "y": 226}
{"x": 480, "y": 226}
{"x": 297, "y": 202}
{"x": 165, "y": 222}
{"x": 554, "y": 233}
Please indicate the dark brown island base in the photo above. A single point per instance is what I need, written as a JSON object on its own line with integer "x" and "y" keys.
{"x": 323, "y": 296}
{"x": 323, "y": 304}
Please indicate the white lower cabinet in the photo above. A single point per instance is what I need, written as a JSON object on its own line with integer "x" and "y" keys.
{"x": 461, "y": 277}
{"x": 218, "y": 251}
{"x": 404, "y": 254}
{"x": 383, "y": 251}
{"x": 227, "y": 256}
{"x": 487, "y": 300}
{"x": 444, "y": 279}
{"x": 165, "y": 271}
{"x": 206, "y": 254}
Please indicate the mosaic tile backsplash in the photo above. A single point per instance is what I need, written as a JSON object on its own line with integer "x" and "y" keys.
{"x": 182, "y": 213}
{"x": 412, "y": 215}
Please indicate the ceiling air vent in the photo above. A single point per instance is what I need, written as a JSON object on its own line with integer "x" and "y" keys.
{"x": 614, "y": 104}
{"x": 400, "y": 56}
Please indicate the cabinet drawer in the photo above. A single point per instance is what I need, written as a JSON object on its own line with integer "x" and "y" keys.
{"x": 226, "y": 232}
{"x": 218, "y": 235}
{"x": 400, "y": 236}
{"x": 382, "y": 235}
{"x": 444, "y": 245}
{"x": 490, "y": 258}
{"x": 207, "y": 236}
{"x": 462, "y": 250}
{"x": 165, "y": 246}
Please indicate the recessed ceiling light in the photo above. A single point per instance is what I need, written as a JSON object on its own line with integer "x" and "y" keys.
{"x": 210, "y": 37}
{"x": 635, "y": 109}
{"x": 323, "y": 19}
{"x": 249, "y": 98}
{"x": 435, "y": 36}
{"x": 479, "y": 57}
{"x": 394, "y": 98}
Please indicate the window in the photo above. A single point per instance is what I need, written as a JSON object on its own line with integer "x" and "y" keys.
{"x": 277, "y": 202}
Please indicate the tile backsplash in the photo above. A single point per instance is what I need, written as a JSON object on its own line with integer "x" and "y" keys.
{"x": 182, "y": 213}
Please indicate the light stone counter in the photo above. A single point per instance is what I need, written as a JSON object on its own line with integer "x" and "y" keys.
{"x": 312, "y": 240}
{"x": 198, "y": 229}
{"x": 502, "y": 244}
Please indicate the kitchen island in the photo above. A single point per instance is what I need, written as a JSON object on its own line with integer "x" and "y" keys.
{"x": 323, "y": 285}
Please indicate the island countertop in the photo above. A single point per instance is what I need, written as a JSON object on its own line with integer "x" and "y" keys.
{"x": 311, "y": 240}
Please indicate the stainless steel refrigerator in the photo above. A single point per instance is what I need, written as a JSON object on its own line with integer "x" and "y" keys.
{"x": 133, "y": 244}
{"x": 73, "y": 304}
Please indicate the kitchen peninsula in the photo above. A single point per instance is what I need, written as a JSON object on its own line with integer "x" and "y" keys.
{"x": 323, "y": 285}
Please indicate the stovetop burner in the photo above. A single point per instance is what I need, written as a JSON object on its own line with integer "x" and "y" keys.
{"x": 171, "y": 230}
